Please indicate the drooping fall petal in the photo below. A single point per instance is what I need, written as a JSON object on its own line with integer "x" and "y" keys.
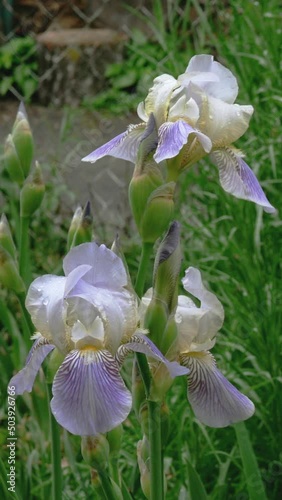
{"x": 89, "y": 395}
{"x": 215, "y": 401}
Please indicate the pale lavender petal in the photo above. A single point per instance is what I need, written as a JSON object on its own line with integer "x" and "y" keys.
{"x": 45, "y": 303}
{"x": 124, "y": 146}
{"x": 107, "y": 269}
{"x": 238, "y": 179}
{"x": 24, "y": 380}
{"x": 215, "y": 401}
{"x": 212, "y": 77}
{"x": 90, "y": 396}
{"x": 141, "y": 343}
{"x": 74, "y": 276}
{"x": 173, "y": 136}
{"x": 117, "y": 309}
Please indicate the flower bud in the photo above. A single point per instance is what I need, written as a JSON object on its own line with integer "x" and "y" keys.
{"x": 6, "y": 239}
{"x": 12, "y": 162}
{"x": 95, "y": 451}
{"x": 158, "y": 212}
{"x": 23, "y": 140}
{"x": 114, "y": 438}
{"x": 84, "y": 230}
{"x": 147, "y": 175}
{"x": 138, "y": 391}
{"x": 75, "y": 222}
{"x": 167, "y": 267}
{"x": 155, "y": 320}
{"x": 143, "y": 464}
{"x": 9, "y": 274}
{"x": 54, "y": 362}
{"x": 32, "y": 192}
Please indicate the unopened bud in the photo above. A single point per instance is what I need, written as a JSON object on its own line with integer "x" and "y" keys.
{"x": 6, "y": 239}
{"x": 138, "y": 391}
{"x": 32, "y": 192}
{"x": 95, "y": 451}
{"x": 155, "y": 320}
{"x": 114, "y": 438}
{"x": 9, "y": 274}
{"x": 167, "y": 267}
{"x": 158, "y": 213}
{"x": 54, "y": 362}
{"x": 147, "y": 176}
{"x": 12, "y": 162}
{"x": 75, "y": 222}
{"x": 23, "y": 140}
{"x": 84, "y": 230}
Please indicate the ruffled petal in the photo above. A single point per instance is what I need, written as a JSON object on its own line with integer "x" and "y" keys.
{"x": 24, "y": 380}
{"x": 238, "y": 179}
{"x": 45, "y": 303}
{"x": 212, "y": 77}
{"x": 90, "y": 396}
{"x": 173, "y": 136}
{"x": 197, "y": 324}
{"x": 215, "y": 401}
{"x": 158, "y": 98}
{"x": 124, "y": 146}
{"x": 106, "y": 268}
{"x": 141, "y": 343}
{"x": 117, "y": 309}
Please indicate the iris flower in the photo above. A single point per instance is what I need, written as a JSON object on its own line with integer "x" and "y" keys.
{"x": 90, "y": 316}
{"x": 195, "y": 116}
{"x": 215, "y": 401}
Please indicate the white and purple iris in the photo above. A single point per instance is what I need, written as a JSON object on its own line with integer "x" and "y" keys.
{"x": 215, "y": 401}
{"x": 195, "y": 116}
{"x": 90, "y": 316}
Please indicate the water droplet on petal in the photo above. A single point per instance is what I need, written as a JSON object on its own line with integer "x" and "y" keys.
{"x": 211, "y": 117}
{"x": 45, "y": 302}
{"x": 178, "y": 317}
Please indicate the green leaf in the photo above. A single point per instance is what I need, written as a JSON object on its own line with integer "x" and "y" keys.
{"x": 5, "y": 84}
{"x": 196, "y": 487}
{"x": 251, "y": 470}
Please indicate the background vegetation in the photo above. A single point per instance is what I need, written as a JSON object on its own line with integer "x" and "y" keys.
{"x": 237, "y": 247}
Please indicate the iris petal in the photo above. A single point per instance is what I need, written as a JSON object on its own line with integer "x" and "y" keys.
{"x": 215, "y": 401}
{"x": 238, "y": 179}
{"x": 90, "y": 396}
{"x": 122, "y": 146}
{"x": 106, "y": 271}
{"x": 141, "y": 343}
{"x": 24, "y": 380}
{"x": 173, "y": 136}
{"x": 45, "y": 303}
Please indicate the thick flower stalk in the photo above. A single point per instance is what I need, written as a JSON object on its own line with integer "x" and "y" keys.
{"x": 196, "y": 115}
{"x": 215, "y": 401}
{"x": 89, "y": 318}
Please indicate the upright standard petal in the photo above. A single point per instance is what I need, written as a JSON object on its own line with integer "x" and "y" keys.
{"x": 158, "y": 98}
{"x": 215, "y": 401}
{"x": 24, "y": 380}
{"x": 90, "y": 396}
{"x": 45, "y": 303}
{"x": 106, "y": 268}
{"x": 141, "y": 343}
{"x": 173, "y": 136}
{"x": 212, "y": 77}
{"x": 198, "y": 324}
{"x": 124, "y": 146}
{"x": 238, "y": 179}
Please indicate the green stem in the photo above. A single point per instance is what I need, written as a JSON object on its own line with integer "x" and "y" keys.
{"x": 24, "y": 261}
{"x": 115, "y": 471}
{"x": 143, "y": 266}
{"x": 156, "y": 461}
{"x": 107, "y": 485}
{"x": 5, "y": 317}
{"x": 156, "y": 465}
{"x": 56, "y": 454}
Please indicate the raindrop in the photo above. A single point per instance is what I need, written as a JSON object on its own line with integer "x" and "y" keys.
{"x": 45, "y": 302}
{"x": 178, "y": 317}
{"x": 211, "y": 117}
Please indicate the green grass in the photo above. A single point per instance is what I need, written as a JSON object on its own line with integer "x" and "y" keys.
{"x": 237, "y": 248}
